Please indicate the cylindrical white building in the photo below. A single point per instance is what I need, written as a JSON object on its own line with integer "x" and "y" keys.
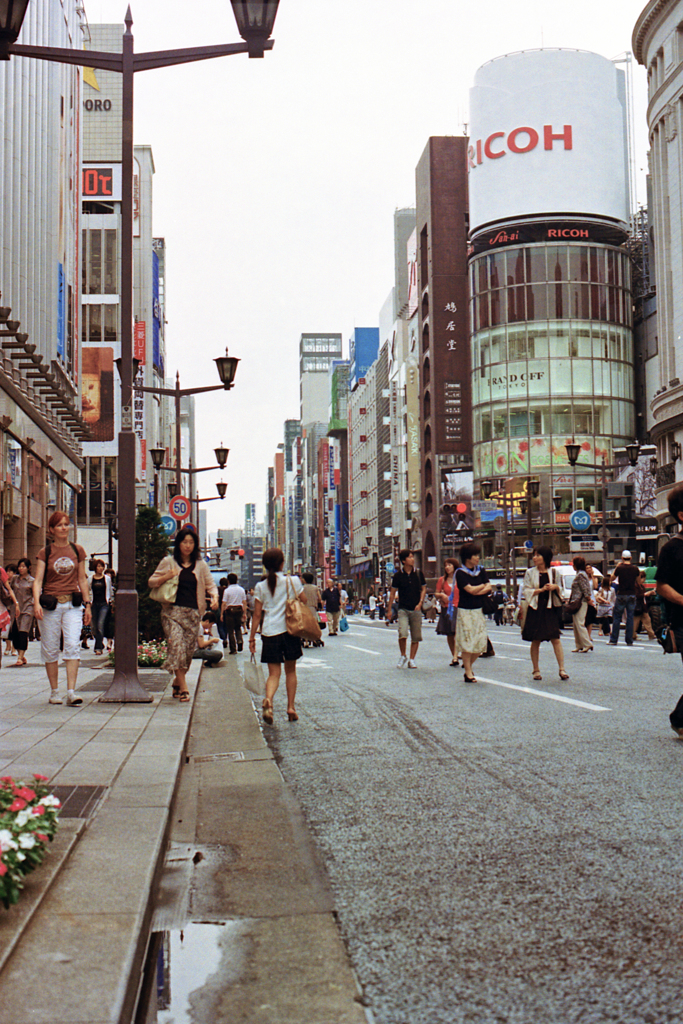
{"x": 550, "y": 302}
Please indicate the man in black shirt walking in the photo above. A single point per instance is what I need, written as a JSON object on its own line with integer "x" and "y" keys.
{"x": 411, "y": 587}
{"x": 670, "y": 587}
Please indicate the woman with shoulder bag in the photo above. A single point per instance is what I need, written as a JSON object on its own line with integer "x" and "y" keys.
{"x": 581, "y": 594}
{"x": 278, "y": 645}
{"x": 445, "y": 625}
{"x": 181, "y": 615}
{"x": 61, "y": 602}
{"x": 22, "y": 585}
{"x": 542, "y": 601}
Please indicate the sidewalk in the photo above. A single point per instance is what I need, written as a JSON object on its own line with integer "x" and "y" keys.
{"x": 73, "y": 949}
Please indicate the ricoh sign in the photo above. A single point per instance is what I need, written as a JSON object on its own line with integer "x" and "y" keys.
{"x": 548, "y": 131}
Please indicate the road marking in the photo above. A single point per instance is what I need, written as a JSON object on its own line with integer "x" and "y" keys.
{"x": 364, "y": 650}
{"x": 543, "y": 693}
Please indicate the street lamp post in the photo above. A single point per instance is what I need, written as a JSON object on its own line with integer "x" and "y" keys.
{"x": 255, "y": 22}
{"x": 573, "y": 452}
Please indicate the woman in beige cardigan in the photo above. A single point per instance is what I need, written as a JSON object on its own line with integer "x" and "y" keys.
{"x": 542, "y": 601}
{"x": 181, "y": 619}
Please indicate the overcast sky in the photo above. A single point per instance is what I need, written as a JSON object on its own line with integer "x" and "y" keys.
{"x": 277, "y": 179}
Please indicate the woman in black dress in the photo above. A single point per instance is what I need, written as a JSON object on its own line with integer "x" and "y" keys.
{"x": 541, "y": 596}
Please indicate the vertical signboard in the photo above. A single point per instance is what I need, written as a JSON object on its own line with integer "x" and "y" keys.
{"x": 140, "y": 353}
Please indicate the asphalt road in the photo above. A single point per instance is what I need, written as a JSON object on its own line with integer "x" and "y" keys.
{"x": 502, "y": 852}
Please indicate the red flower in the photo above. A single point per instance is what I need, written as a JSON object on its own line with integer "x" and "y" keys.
{"x": 25, "y": 793}
{"x": 37, "y": 811}
{"x": 586, "y": 446}
{"x": 41, "y": 778}
{"x": 3, "y": 869}
{"x": 523, "y": 447}
{"x": 17, "y": 805}
{"x": 43, "y": 839}
{"x": 7, "y": 779}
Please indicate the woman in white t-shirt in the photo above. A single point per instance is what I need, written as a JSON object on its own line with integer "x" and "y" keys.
{"x": 278, "y": 645}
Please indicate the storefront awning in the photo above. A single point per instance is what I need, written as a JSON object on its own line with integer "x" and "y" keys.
{"x": 362, "y": 569}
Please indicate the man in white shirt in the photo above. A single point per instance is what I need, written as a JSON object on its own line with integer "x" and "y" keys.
{"x": 233, "y": 608}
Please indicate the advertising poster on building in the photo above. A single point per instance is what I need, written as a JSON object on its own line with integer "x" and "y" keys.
{"x": 457, "y": 521}
{"x": 413, "y": 420}
{"x": 98, "y": 391}
{"x": 413, "y": 288}
{"x": 140, "y": 353}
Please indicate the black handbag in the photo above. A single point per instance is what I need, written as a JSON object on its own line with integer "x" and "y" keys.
{"x": 488, "y": 605}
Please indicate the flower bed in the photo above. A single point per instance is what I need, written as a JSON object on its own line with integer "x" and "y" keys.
{"x": 28, "y": 822}
{"x": 151, "y": 654}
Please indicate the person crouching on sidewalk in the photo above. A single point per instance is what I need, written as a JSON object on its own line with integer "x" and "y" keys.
{"x": 411, "y": 587}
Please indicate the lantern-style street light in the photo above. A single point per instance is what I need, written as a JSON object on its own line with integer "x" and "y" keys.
{"x": 255, "y": 20}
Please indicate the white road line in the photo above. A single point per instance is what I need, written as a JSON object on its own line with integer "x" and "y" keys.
{"x": 377, "y": 654}
{"x": 543, "y": 693}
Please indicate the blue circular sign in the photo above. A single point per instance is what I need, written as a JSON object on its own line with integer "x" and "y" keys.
{"x": 169, "y": 525}
{"x": 529, "y": 545}
{"x": 580, "y": 520}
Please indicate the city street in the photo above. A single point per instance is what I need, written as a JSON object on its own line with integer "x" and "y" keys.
{"x": 507, "y": 851}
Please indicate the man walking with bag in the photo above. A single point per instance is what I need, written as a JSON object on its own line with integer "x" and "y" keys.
{"x": 233, "y": 608}
{"x": 411, "y": 587}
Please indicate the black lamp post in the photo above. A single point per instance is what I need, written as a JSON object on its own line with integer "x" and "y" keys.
{"x": 157, "y": 455}
{"x": 255, "y": 20}
{"x": 573, "y": 451}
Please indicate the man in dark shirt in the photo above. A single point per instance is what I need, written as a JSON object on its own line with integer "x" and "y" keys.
{"x": 411, "y": 587}
{"x": 332, "y": 597}
{"x": 670, "y": 587}
{"x": 625, "y": 575}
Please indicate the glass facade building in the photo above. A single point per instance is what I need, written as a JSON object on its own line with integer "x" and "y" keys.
{"x": 552, "y": 359}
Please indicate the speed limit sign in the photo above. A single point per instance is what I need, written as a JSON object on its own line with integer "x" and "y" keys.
{"x": 179, "y": 508}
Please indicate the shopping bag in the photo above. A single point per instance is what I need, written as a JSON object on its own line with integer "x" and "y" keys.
{"x": 343, "y": 624}
{"x": 254, "y": 677}
{"x": 301, "y": 620}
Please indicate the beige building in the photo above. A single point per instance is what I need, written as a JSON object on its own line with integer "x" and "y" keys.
{"x": 658, "y": 45}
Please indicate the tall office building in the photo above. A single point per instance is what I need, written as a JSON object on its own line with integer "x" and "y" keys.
{"x": 41, "y": 427}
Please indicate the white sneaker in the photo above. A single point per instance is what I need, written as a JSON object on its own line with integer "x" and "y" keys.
{"x": 411, "y": 663}
{"x": 402, "y": 661}
{"x": 72, "y": 700}
{"x": 55, "y": 698}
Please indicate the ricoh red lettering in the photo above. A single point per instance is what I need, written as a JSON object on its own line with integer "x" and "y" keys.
{"x": 568, "y": 233}
{"x": 487, "y": 146}
{"x": 531, "y": 144}
{"x": 549, "y": 137}
{"x": 519, "y": 140}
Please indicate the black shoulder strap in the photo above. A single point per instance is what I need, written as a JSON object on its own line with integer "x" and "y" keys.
{"x": 48, "y": 549}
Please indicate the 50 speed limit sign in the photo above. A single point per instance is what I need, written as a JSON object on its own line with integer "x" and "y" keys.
{"x": 179, "y": 508}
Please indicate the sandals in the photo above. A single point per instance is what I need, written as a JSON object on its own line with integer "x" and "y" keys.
{"x": 292, "y": 716}
{"x": 563, "y": 674}
{"x": 470, "y": 679}
{"x": 267, "y": 711}
{"x": 183, "y": 696}
{"x": 455, "y": 663}
{"x": 176, "y": 691}
{"x": 536, "y": 675}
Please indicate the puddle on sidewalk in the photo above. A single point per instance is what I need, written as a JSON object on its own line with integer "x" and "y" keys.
{"x": 188, "y": 968}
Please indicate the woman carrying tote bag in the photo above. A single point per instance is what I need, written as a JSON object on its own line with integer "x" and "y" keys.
{"x": 278, "y": 645}
{"x": 181, "y": 614}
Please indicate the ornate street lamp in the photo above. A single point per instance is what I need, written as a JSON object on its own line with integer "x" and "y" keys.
{"x": 573, "y": 452}
{"x": 157, "y": 455}
{"x": 221, "y": 455}
{"x": 486, "y": 487}
{"x": 227, "y": 368}
{"x": 221, "y": 488}
{"x": 12, "y": 13}
{"x": 632, "y": 452}
{"x": 255, "y": 20}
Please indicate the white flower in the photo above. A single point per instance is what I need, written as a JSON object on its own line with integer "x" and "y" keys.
{"x": 20, "y": 856}
{"x": 22, "y": 817}
{"x": 50, "y": 801}
{"x": 27, "y": 842}
{"x": 6, "y": 841}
